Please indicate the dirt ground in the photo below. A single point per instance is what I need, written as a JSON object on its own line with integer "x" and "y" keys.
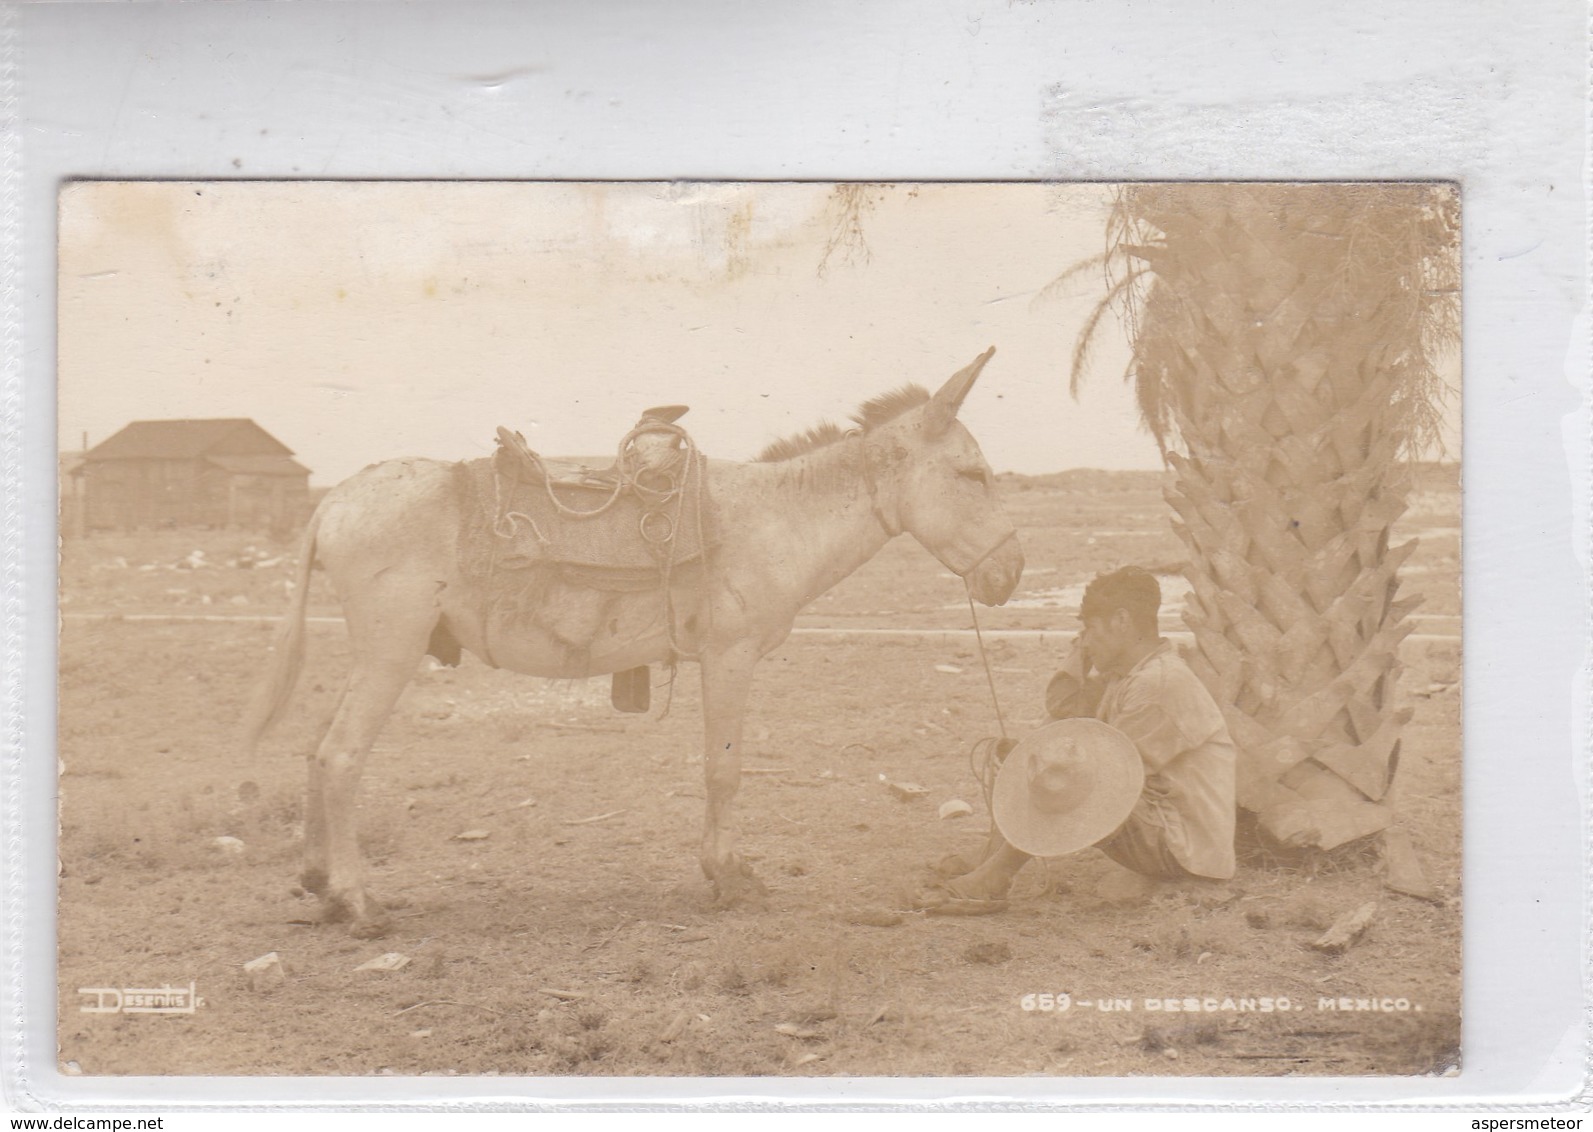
{"x": 577, "y": 935}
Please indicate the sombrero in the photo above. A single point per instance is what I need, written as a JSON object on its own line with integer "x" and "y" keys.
{"x": 1066, "y": 786}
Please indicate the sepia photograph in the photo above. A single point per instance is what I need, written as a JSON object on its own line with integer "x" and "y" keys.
{"x": 685, "y": 629}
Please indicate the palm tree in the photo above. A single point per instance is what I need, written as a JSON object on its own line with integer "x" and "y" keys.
{"x": 1286, "y": 341}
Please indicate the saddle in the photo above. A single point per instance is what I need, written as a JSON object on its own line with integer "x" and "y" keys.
{"x": 623, "y": 527}
{"x": 633, "y": 520}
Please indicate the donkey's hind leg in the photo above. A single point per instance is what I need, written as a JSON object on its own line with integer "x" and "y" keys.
{"x": 313, "y": 872}
{"x": 389, "y": 638}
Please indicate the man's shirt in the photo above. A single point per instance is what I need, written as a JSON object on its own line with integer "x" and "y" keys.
{"x": 1183, "y": 741}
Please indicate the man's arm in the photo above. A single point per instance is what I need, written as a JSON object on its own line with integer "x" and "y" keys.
{"x": 1155, "y": 732}
{"x": 1166, "y": 718}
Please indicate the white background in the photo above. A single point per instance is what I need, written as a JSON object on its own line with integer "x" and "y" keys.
{"x": 1490, "y": 94}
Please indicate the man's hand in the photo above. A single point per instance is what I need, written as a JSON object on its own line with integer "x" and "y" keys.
{"x": 1064, "y": 698}
{"x": 1077, "y": 660}
{"x": 1071, "y": 693}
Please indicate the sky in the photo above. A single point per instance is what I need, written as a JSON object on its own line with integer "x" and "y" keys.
{"x": 362, "y": 321}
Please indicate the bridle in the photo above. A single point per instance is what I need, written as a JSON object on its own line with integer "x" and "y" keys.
{"x": 1001, "y": 542}
{"x": 892, "y": 529}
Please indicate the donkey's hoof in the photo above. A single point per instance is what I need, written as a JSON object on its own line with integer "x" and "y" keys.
{"x": 736, "y": 884}
{"x": 363, "y": 915}
{"x": 313, "y": 880}
{"x": 373, "y": 927}
{"x": 331, "y": 912}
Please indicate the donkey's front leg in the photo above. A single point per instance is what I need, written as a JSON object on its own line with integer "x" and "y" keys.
{"x": 726, "y": 678}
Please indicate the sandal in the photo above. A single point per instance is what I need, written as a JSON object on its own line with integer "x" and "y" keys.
{"x": 942, "y": 900}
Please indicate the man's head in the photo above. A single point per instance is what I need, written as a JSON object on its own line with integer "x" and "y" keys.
{"x": 1119, "y": 614}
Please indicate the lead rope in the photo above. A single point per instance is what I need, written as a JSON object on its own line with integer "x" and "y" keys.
{"x": 990, "y": 676}
{"x": 982, "y": 756}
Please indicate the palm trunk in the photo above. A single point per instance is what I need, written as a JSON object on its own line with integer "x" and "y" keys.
{"x": 1284, "y": 340}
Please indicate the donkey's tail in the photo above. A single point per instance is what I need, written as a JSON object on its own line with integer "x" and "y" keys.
{"x": 288, "y": 651}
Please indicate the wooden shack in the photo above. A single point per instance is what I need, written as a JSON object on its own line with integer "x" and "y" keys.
{"x": 192, "y": 473}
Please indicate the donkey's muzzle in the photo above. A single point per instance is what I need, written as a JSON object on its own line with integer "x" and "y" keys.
{"x": 995, "y": 577}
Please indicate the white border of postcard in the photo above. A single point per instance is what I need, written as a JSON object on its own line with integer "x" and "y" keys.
{"x": 1490, "y": 96}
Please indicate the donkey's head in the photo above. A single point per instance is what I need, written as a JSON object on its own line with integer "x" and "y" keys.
{"x": 931, "y": 480}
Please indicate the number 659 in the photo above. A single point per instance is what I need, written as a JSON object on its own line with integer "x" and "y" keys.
{"x": 1045, "y": 1003}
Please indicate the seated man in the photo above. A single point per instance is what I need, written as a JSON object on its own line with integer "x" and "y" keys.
{"x": 1183, "y": 823}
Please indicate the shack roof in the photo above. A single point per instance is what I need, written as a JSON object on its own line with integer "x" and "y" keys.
{"x": 188, "y": 440}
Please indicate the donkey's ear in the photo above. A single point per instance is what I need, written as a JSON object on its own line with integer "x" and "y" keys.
{"x": 943, "y": 405}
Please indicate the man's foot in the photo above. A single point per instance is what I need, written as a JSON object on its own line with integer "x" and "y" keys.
{"x": 955, "y": 865}
{"x": 985, "y": 885}
{"x": 961, "y": 864}
{"x": 951, "y": 899}
{"x": 981, "y": 884}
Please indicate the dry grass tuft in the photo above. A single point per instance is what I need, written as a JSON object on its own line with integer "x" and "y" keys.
{"x": 989, "y": 953}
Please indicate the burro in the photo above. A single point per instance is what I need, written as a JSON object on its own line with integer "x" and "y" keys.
{"x": 418, "y": 554}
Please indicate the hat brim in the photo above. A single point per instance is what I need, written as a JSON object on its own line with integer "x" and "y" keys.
{"x": 1119, "y": 779}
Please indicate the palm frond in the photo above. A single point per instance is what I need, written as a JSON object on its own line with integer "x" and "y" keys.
{"x": 1389, "y": 255}
{"x": 1053, "y": 288}
{"x": 1084, "y": 344}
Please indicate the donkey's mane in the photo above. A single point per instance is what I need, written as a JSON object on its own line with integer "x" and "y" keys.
{"x": 870, "y": 414}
